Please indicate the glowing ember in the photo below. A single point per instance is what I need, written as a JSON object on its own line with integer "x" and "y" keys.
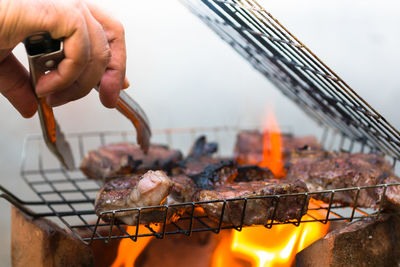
{"x": 128, "y": 250}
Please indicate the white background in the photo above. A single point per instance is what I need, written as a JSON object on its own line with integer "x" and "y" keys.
{"x": 183, "y": 75}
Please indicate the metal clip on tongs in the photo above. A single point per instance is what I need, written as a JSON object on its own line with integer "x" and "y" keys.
{"x": 44, "y": 54}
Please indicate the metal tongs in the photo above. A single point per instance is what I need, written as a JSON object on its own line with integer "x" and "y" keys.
{"x": 44, "y": 54}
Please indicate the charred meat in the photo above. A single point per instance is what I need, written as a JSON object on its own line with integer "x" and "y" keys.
{"x": 330, "y": 170}
{"x": 259, "y": 207}
{"x": 124, "y": 158}
{"x": 203, "y": 168}
{"x": 202, "y": 148}
{"x": 199, "y": 157}
{"x": 215, "y": 174}
{"x": 249, "y": 146}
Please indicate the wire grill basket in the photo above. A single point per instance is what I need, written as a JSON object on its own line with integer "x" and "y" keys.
{"x": 68, "y": 196}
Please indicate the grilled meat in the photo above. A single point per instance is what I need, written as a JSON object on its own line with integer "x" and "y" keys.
{"x": 151, "y": 189}
{"x": 330, "y": 170}
{"x": 183, "y": 190}
{"x": 249, "y": 146}
{"x": 124, "y": 158}
{"x": 259, "y": 210}
{"x": 247, "y": 173}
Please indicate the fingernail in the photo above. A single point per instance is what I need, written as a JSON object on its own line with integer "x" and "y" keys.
{"x": 126, "y": 83}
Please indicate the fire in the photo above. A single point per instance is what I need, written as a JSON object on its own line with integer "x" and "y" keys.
{"x": 128, "y": 250}
{"x": 272, "y": 147}
{"x": 253, "y": 246}
{"x": 262, "y": 247}
{"x": 278, "y": 246}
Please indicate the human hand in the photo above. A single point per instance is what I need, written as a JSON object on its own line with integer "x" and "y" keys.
{"x": 94, "y": 48}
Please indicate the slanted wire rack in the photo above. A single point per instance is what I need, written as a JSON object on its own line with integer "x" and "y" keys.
{"x": 68, "y": 196}
{"x": 278, "y": 55}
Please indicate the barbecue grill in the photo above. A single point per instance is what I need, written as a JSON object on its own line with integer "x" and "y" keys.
{"x": 68, "y": 196}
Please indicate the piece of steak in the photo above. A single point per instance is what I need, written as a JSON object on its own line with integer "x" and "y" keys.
{"x": 249, "y": 146}
{"x": 248, "y": 173}
{"x": 331, "y": 170}
{"x": 258, "y": 210}
{"x": 184, "y": 190}
{"x": 125, "y": 158}
{"x": 151, "y": 189}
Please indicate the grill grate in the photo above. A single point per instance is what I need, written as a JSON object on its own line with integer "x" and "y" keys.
{"x": 276, "y": 53}
{"x": 68, "y": 196}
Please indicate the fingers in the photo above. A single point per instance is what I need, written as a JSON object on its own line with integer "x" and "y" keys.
{"x": 114, "y": 77}
{"x": 99, "y": 58}
{"x": 15, "y": 86}
{"x": 94, "y": 49}
{"x": 77, "y": 55}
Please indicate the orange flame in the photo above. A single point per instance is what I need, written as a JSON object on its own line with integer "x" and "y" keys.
{"x": 272, "y": 147}
{"x": 128, "y": 251}
{"x": 278, "y": 246}
{"x": 262, "y": 247}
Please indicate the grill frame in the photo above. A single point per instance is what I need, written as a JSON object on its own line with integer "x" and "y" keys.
{"x": 85, "y": 221}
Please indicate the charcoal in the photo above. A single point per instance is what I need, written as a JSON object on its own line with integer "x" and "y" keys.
{"x": 249, "y": 146}
{"x": 115, "y": 160}
{"x": 331, "y": 170}
{"x": 260, "y": 210}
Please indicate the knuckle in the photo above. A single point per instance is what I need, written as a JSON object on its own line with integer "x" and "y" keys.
{"x": 106, "y": 55}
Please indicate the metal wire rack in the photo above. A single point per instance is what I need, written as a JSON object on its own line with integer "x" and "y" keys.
{"x": 68, "y": 196}
{"x": 277, "y": 54}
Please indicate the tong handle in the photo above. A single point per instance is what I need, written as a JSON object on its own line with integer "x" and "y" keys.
{"x": 44, "y": 54}
{"x": 133, "y": 112}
